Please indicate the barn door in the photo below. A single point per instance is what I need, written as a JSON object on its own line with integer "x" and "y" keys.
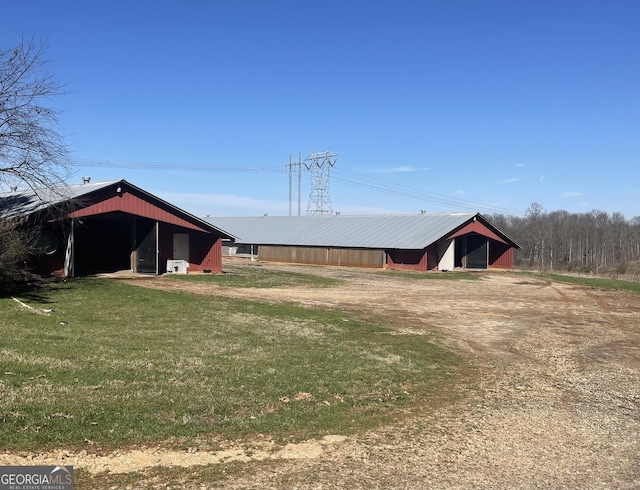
{"x": 181, "y": 246}
{"x": 477, "y": 252}
{"x": 147, "y": 249}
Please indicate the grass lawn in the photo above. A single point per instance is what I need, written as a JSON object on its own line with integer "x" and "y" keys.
{"x": 117, "y": 364}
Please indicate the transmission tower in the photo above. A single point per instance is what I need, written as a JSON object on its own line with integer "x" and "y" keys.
{"x": 319, "y": 164}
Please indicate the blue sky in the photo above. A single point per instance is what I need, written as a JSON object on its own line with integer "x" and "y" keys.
{"x": 438, "y": 105}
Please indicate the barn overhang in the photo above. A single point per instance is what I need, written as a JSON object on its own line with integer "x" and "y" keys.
{"x": 475, "y": 226}
{"x": 127, "y": 199}
{"x": 127, "y": 204}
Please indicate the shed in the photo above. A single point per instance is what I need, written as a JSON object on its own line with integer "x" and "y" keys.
{"x": 111, "y": 226}
{"x": 430, "y": 241}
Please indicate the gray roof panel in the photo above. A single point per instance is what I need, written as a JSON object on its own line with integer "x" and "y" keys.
{"x": 25, "y": 202}
{"x": 375, "y": 231}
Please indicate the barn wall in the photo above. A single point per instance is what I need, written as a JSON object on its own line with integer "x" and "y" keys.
{"x": 53, "y": 262}
{"x": 205, "y": 250}
{"x": 432, "y": 257}
{"x": 446, "y": 255}
{"x": 500, "y": 255}
{"x": 407, "y": 260}
{"x": 209, "y": 248}
{"x": 322, "y": 256}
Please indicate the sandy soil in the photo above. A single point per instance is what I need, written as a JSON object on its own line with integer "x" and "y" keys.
{"x": 558, "y": 404}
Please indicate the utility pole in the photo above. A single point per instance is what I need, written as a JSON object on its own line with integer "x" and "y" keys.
{"x": 299, "y": 179}
{"x": 290, "y": 169}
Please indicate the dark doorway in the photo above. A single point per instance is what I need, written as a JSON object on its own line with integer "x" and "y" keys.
{"x": 476, "y": 252}
{"x": 147, "y": 246}
{"x": 101, "y": 244}
{"x": 460, "y": 247}
{"x": 471, "y": 251}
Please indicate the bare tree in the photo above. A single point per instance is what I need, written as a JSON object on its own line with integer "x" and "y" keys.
{"x": 32, "y": 150}
{"x": 593, "y": 242}
{"x": 33, "y": 153}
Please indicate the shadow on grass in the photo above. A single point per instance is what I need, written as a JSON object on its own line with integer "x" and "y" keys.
{"x": 29, "y": 287}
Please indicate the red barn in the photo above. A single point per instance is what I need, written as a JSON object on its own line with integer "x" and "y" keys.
{"x": 111, "y": 226}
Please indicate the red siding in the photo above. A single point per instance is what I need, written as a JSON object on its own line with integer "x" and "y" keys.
{"x": 500, "y": 256}
{"x": 209, "y": 253}
{"x": 479, "y": 228}
{"x": 205, "y": 250}
{"x": 432, "y": 257}
{"x": 407, "y": 260}
{"x": 132, "y": 204}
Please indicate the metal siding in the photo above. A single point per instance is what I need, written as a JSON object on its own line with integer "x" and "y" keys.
{"x": 205, "y": 249}
{"x": 209, "y": 249}
{"x": 432, "y": 257}
{"x": 129, "y": 203}
{"x": 322, "y": 256}
{"x": 500, "y": 256}
{"x": 479, "y": 228}
{"x": 407, "y": 260}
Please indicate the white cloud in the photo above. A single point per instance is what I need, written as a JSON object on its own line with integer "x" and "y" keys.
{"x": 566, "y": 195}
{"x": 459, "y": 192}
{"x": 510, "y": 181}
{"x": 519, "y": 165}
{"x": 541, "y": 178}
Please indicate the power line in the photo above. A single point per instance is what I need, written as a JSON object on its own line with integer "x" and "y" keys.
{"x": 384, "y": 187}
{"x": 343, "y": 179}
{"x": 172, "y": 166}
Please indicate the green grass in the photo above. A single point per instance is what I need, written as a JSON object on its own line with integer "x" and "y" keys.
{"x": 590, "y": 282}
{"x": 256, "y": 276}
{"x": 134, "y": 365}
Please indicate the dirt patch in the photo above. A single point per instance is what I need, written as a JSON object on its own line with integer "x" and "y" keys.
{"x": 126, "y": 461}
{"x": 558, "y": 404}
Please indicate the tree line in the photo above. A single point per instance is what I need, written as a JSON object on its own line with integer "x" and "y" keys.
{"x": 593, "y": 242}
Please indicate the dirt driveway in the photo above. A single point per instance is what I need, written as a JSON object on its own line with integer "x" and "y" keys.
{"x": 558, "y": 404}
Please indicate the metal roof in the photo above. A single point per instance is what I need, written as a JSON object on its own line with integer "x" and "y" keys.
{"x": 25, "y": 202}
{"x": 375, "y": 231}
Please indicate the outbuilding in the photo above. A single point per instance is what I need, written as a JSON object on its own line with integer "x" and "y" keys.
{"x": 112, "y": 226}
{"x": 428, "y": 241}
